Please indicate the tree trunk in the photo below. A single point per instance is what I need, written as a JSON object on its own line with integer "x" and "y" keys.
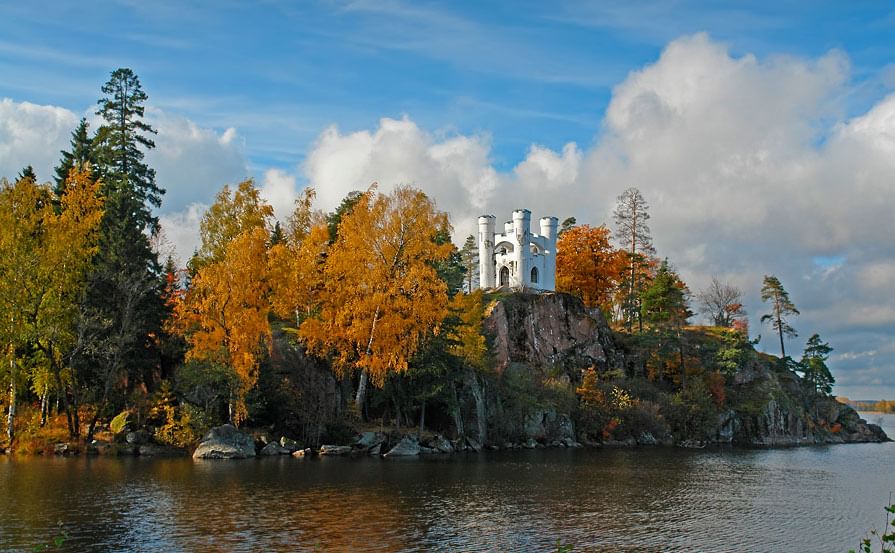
{"x": 419, "y": 434}
{"x": 44, "y": 406}
{"x": 361, "y": 391}
{"x": 364, "y": 377}
{"x": 780, "y": 332}
{"x": 11, "y": 414}
{"x": 61, "y": 392}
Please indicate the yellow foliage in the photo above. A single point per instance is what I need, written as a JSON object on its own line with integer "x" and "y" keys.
{"x": 44, "y": 258}
{"x": 224, "y": 315}
{"x": 381, "y": 294}
{"x": 296, "y": 273}
{"x": 468, "y": 340}
{"x": 231, "y": 214}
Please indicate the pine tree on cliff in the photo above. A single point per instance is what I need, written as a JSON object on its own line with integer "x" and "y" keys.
{"x": 633, "y": 235}
{"x": 781, "y": 307}
{"x": 814, "y": 365}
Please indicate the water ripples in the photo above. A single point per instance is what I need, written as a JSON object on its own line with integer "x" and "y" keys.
{"x": 809, "y": 499}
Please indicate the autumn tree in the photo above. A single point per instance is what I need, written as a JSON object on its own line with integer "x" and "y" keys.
{"x": 469, "y": 256}
{"x": 44, "y": 257}
{"x": 814, "y": 365}
{"x": 23, "y": 207}
{"x": 232, "y": 213}
{"x": 722, "y": 303}
{"x": 381, "y": 294}
{"x": 588, "y": 266}
{"x": 781, "y": 307}
{"x": 631, "y": 230}
{"x": 296, "y": 264}
{"x": 224, "y": 314}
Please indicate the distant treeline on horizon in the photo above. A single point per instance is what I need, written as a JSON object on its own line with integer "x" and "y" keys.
{"x": 880, "y": 406}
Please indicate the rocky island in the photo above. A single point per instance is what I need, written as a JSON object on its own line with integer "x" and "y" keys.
{"x": 550, "y": 357}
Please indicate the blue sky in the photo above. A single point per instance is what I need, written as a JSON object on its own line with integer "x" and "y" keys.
{"x": 762, "y": 134}
{"x": 525, "y": 72}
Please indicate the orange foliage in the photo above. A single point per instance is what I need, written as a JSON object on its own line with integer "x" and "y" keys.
{"x": 224, "y": 315}
{"x": 381, "y": 294}
{"x": 588, "y": 266}
{"x": 296, "y": 274}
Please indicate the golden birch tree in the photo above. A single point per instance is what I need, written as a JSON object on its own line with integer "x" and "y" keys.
{"x": 224, "y": 314}
{"x": 44, "y": 257}
{"x": 381, "y": 293}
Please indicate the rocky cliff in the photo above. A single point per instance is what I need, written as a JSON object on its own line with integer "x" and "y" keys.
{"x": 542, "y": 345}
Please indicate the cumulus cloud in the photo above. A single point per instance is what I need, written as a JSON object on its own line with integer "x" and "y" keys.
{"x": 192, "y": 162}
{"x": 32, "y": 134}
{"x": 749, "y": 165}
{"x": 180, "y": 232}
{"x": 454, "y": 170}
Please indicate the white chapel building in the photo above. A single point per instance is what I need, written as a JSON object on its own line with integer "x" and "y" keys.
{"x": 517, "y": 258}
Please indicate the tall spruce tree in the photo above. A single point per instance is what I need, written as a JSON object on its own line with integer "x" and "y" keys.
{"x": 80, "y": 154}
{"x": 124, "y": 306}
{"x": 120, "y": 142}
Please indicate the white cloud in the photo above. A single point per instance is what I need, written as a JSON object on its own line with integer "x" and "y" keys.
{"x": 455, "y": 171}
{"x": 32, "y": 134}
{"x": 181, "y": 230}
{"x": 748, "y": 164}
{"x": 278, "y": 189}
{"x": 192, "y": 163}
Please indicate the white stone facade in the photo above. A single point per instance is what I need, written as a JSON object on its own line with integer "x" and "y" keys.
{"x": 517, "y": 258}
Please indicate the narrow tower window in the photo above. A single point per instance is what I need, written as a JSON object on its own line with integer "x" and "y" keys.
{"x": 534, "y": 275}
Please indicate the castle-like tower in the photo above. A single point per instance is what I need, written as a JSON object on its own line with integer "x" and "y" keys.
{"x": 517, "y": 258}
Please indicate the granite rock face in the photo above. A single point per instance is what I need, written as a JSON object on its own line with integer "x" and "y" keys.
{"x": 548, "y": 331}
{"x": 225, "y": 442}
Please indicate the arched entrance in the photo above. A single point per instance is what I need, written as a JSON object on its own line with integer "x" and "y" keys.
{"x": 504, "y": 276}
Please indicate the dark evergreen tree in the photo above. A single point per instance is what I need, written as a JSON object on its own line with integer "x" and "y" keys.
{"x": 567, "y": 225}
{"x": 119, "y": 146}
{"x": 27, "y": 173}
{"x": 124, "y": 306}
{"x": 469, "y": 256}
{"x": 665, "y": 307}
{"x": 277, "y": 236}
{"x": 335, "y": 218}
{"x": 81, "y": 153}
{"x": 814, "y": 366}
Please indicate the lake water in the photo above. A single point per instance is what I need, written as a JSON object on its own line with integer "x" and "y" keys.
{"x": 649, "y": 499}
